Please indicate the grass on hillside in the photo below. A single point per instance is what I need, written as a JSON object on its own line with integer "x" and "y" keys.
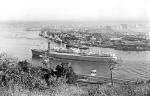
{"x": 24, "y": 80}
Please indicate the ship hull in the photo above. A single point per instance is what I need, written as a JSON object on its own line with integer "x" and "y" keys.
{"x": 79, "y": 57}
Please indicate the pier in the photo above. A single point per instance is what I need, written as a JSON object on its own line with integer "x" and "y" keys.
{"x": 88, "y": 79}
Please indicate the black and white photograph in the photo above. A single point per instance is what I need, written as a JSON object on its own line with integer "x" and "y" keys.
{"x": 74, "y": 47}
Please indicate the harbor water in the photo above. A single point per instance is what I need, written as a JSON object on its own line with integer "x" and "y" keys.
{"x": 16, "y": 41}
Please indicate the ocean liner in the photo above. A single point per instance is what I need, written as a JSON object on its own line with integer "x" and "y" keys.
{"x": 73, "y": 54}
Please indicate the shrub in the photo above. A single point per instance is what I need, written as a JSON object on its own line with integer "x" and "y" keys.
{"x": 20, "y": 79}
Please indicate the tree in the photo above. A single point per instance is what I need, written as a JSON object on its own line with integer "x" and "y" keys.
{"x": 24, "y": 65}
{"x": 66, "y": 71}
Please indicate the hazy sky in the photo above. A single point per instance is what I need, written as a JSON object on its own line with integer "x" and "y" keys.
{"x": 74, "y": 9}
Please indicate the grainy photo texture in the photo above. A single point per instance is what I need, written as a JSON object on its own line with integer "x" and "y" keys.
{"x": 74, "y": 48}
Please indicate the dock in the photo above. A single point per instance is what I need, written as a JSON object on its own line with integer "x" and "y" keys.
{"x": 102, "y": 80}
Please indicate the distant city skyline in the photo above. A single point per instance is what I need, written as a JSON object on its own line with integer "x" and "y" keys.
{"x": 75, "y": 10}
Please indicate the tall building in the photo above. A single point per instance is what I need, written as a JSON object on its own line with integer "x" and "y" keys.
{"x": 124, "y": 26}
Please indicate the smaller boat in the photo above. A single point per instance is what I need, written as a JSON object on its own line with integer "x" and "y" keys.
{"x": 77, "y": 46}
{"x": 93, "y": 73}
{"x": 37, "y": 53}
{"x": 84, "y": 47}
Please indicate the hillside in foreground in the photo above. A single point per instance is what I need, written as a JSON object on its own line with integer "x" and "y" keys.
{"x": 20, "y": 78}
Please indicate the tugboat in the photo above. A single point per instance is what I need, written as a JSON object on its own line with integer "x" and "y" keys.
{"x": 77, "y": 46}
{"x": 37, "y": 53}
